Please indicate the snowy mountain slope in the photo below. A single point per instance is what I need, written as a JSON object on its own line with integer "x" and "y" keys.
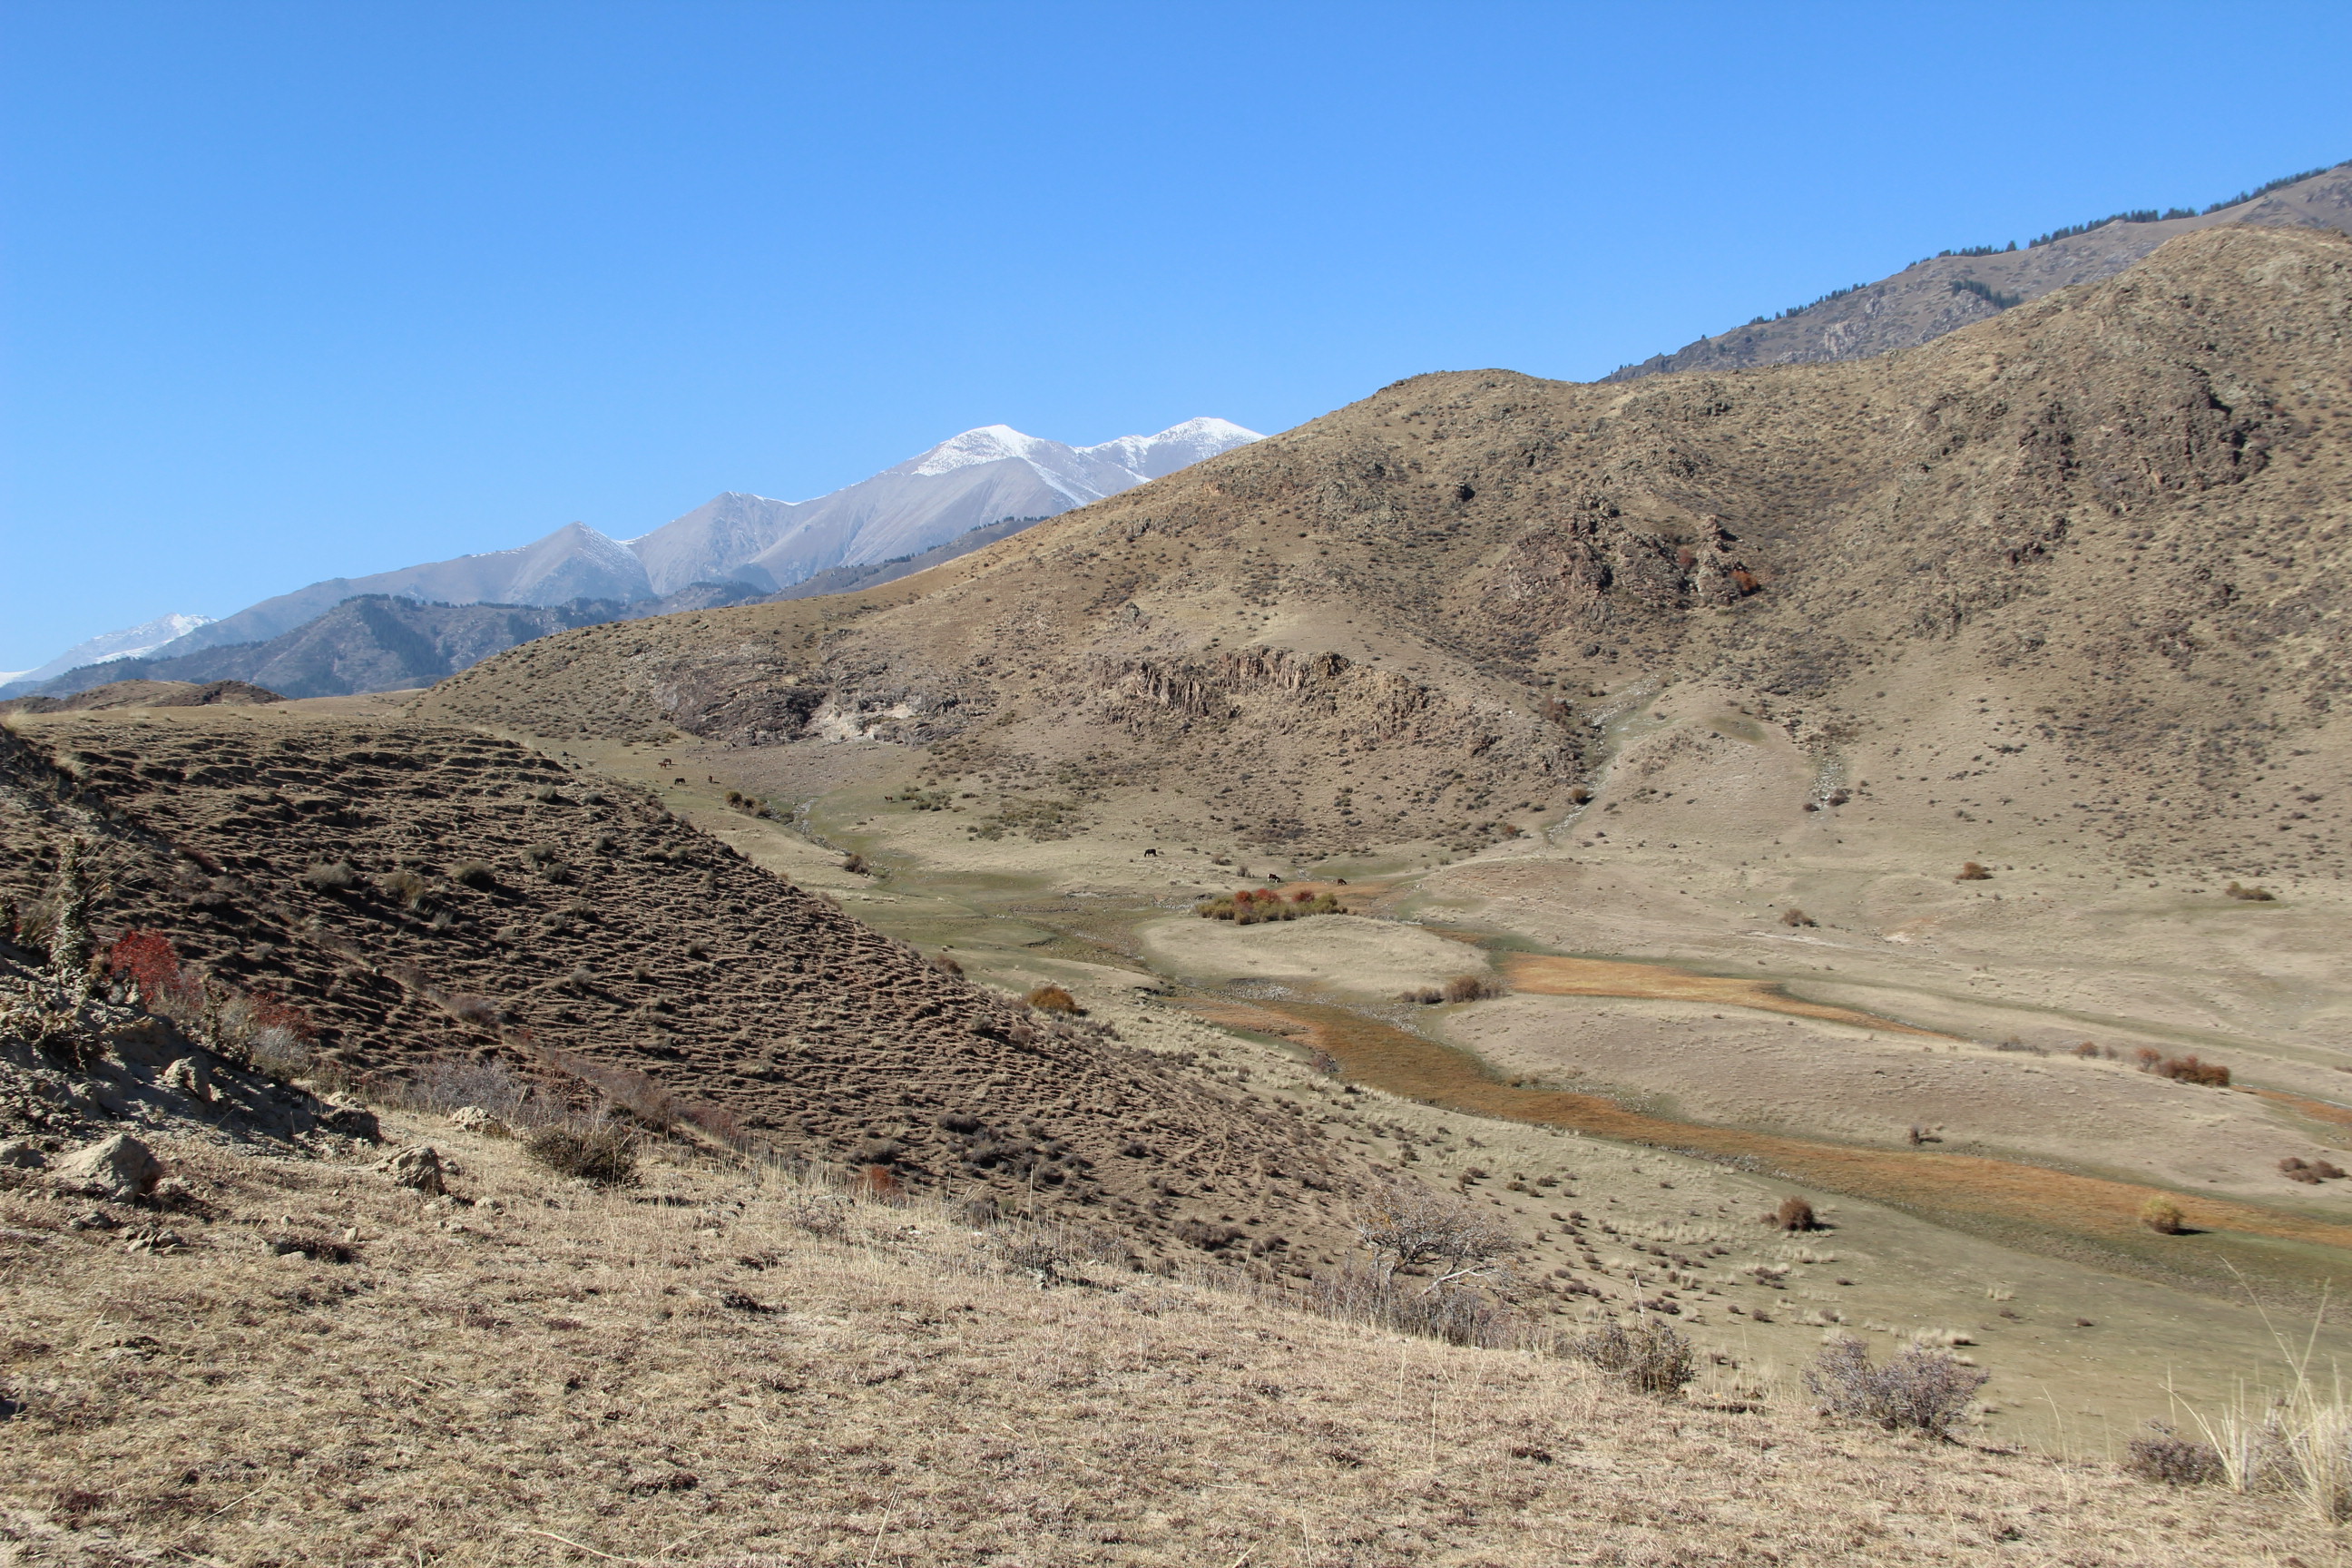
{"x": 982, "y": 477}
{"x": 967, "y": 481}
{"x": 129, "y": 643}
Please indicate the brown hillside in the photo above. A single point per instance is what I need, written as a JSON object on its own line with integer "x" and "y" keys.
{"x": 2102, "y": 535}
{"x": 328, "y": 864}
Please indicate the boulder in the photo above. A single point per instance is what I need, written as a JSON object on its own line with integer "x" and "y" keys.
{"x": 351, "y": 1121}
{"x": 474, "y": 1119}
{"x": 188, "y": 1075}
{"x": 120, "y": 1168}
{"x": 416, "y": 1168}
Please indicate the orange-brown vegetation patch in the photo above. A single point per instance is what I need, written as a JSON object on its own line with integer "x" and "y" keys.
{"x": 1661, "y": 982}
{"x": 1958, "y": 1188}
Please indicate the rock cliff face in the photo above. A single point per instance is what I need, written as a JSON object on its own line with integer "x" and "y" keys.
{"x": 2119, "y": 511}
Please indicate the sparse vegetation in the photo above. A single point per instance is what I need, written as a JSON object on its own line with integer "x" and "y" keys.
{"x": 1919, "y": 1388}
{"x": 1475, "y": 988}
{"x": 606, "y": 1156}
{"x": 405, "y": 887}
{"x": 1647, "y": 1356}
{"x": 2163, "y": 1455}
{"x": 1052, "y": 998}
{"x": 1256, "y": 906}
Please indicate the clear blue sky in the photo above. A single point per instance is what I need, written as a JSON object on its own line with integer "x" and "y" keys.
{"x": 300, "y": 290}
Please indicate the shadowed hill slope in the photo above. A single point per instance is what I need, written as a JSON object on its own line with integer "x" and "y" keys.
{"x": 422, "y": 891}
{"x": 2106, "y": 528}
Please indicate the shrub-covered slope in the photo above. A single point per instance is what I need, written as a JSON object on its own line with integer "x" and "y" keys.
{"x": 424, "y": 893}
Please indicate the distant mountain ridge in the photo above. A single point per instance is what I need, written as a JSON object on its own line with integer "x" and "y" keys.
{"x": 970, "y": 482}
{"x": 380, "y": 642}
{"x": 1959, "y": 288}
{"x": 967, "y": 481}
{"x": 399, "y": 629}
{"x": 128, "y": 642}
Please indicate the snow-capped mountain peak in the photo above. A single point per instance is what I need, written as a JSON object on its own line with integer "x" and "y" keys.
{"x": 989, "y": 443}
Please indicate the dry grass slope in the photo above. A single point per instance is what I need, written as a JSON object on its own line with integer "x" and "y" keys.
{"x": 720, "y": 1366}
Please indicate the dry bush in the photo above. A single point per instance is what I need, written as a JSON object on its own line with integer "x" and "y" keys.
{"x": 403, "y": 887}
{"x": 1375, "y": 1297}
{"x": 1972, "y": 872}
{"x": 2163, "y": 1216}
{"x": 2161, "y": 1455}
{"x": 330, "y": 875}
{"x": 1407, "y": 1226}
{"x": 945, "y": 965}
{"x": 1427, "y": 996}
{"x": 1053, "y": 999}
{"x": 148, "y": 960}
{"x": 473, "y": 874}
{"x": 468, "y": 1008}
{"x": 1918, "y": 1389}
{"x": 2250, "y": 895}
{"x": 1257, "y": 906}
{"x": 1474, "y": 988}
{"x": 856, "y": 867}
{"x": 605, "y": 1155}
{"x": 1793, "y": 916}
{"x": 1647, "y": 1356}
{"x": 1795, "y": 1214}
{"x": 450, "y": 1083}
{"x": 2188, "y": 1069}
{"x": 2086, "y": 1049}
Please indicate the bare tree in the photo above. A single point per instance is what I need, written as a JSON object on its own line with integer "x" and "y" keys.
{"x": 1406, "y": 1225}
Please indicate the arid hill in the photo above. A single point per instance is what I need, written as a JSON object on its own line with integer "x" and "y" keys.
{"x": 423, "y": 893}
{"x": 2101, "y": 535}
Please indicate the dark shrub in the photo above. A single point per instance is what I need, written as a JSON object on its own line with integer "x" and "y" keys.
{"x": 855, "y": 865}
{"x": 2173, "y": 1460}
{"x": 1796, "y": 1214}
{"x": 1646, "y": 1356}
{"x": 945, "y": 965}
{"x": 404, "y": 887}
{"x": 473, "y": 874}
{"x": 1972, "y": 872}
{"x": 1053, "y": 999}
{"x": 1919, "y": 1390}
{"x": 604, "y": 1155}
{"x": 1793, "y": 916}
{"x": 1473, "y": 988}
{"x": 466, "y": 1008}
